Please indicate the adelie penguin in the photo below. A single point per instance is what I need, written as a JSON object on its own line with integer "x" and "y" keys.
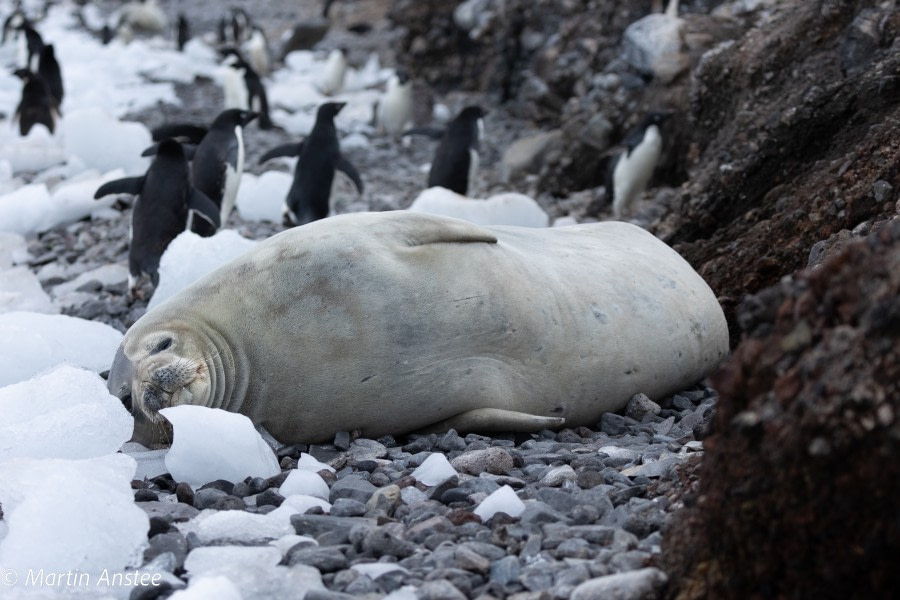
{"x": 37, "y": 104}
{"x": 319, "y": 156}
{"x": 395, "y": 108}
{"x": 243, "y": 88}
{"x": 631, "y": 170}
{"x": 48, "y": 68}
{"x": 166, "y": 203}
{"x": 219, "y": 163}
{"x": 455, "y": 161}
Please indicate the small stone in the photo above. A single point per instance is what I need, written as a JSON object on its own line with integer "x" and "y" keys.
{"x": 440, "y": 589}
{"x": 145, "y": 495}
{"x": 326, "y": 559}
{"x": 538, "y": 513}
{"x": 347, "y": 507}
{"x": 381, "y": 542}
{"x": 612, "y": 424}
{"x": 173, "y": 542}
{"x": 353, "y": 487}
{"x": 495, "y": 460}
{"x": 634, "y": 585}
{"x": 220, "y": 484}
{"x": 882, "y": 190}
{"x": 640, "y": 405}
{"x": 451, "y": 441}
{"x": 206, "y": 498}
{"x": 342, "y": 440}
{"x": 229, "y": 502}
{"x": 506, "y": 570}
{"x": 384, "y": 499}
{"x": 557, "y": 476}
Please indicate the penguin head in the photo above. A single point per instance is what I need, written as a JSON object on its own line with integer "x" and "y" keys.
{"x": 23, "y": 74}
{"x": 402, "y": 76}
{"x": 471, "y": 113}
{"x": 170, "y": 147}
{"x": 329, "y": 110}
{"x": 234, "y": 117}
{"x": 655, "y": 118}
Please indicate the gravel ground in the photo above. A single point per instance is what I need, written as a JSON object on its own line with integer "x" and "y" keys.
{"x": 596, "y": 498}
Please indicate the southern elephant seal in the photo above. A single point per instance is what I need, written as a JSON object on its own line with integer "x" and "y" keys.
{"x": 395, "y": 322}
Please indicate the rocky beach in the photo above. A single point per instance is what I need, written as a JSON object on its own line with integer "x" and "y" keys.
{"x": 778, "y": 183}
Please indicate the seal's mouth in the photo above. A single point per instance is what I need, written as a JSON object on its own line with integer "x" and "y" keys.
{"x": 169, "y": 385}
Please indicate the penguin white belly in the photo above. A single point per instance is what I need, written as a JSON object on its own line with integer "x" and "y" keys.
{"x": 473, "y": 170}
{"x": 335, "y": 69}
{"x": 633, "y": 171}
{"x": 395, "y": 109}
{"x": 236, "y": 95}
{"x": 257, "y": 55}
{"x": 232, "y": 179}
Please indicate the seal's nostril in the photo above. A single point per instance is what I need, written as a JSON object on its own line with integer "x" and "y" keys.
{"x": 126, "y": 402}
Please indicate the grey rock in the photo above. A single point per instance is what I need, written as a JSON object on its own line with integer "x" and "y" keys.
{"x": 557, "y": 476}
{"x": 575, "y": 548}
{"x": 612, "y": 424}
{"x": 384, "y": 500}
{"x": 526, "y": 155}
{"x": 440, "y": 589}
{"x": 538, "y": 513}
{"x": 381, "y": 542}
{"x": 640, "y": 405}
{"x": 597, "y": 132}
{"x": 506, "y": 570}
{"x": 342, "y": 440}
{"x": 644, "y": 584}
{"x": 207, "y": 498}
{"x": 347, "y": 507}
{"x": 365, "y": 449}
{"x": 171, "y": 512}
{"x": 883, "y": 191}
{"x": 497, "y": 461}
{"x": 451, "y": 441}
{"x": 316, "y": 525}
{"x": 173, "y": 542}
{"x": 353, "y": 487}
{"x": 629, "y": 561}
{"x": 653, "y": 469}
{"x": 326, "y": 559}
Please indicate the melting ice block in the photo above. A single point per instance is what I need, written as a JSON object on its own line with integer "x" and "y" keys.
{"x": 67, "y": 515}
{"x": 63, "y": 413}
{"x": 235, "y": 526}
{"x": 213, "y": 586}
{"x": 20, "y": 290}
{"x": 103, "y": 142}
{"x": 308, "y": 483}
{"x": 189, "y": 257}
{"x": 503, "y": 500}
{"x": 434, "y": 470}
{"x": 261, "y": 198}
{"x": 308, "y": 462}
{"x": 211, "y": 444}
{"x": 503, "y": 209}
{"x": 297, "y": 505}
{"x": 44, "y": 341}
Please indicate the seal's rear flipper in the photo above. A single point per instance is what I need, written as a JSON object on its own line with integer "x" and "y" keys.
{"x": 496, "y": 419}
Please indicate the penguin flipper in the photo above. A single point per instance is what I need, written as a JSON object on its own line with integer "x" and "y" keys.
{"x": 434, "y": 133}
{"x": 126, "y": 185}
{"x": 343, "y": 165}
{"x": 292, "y": 149}
{"x": 204, "y": 207}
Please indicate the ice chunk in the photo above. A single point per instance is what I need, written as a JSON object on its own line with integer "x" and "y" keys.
{"x": 63, "y": 413}
{"x": 310, "y": 463}
{"x": 20, "y": 290}
{"x": 67, "y": 515}
{"x": 189, "y": 257}
{"x": 254, "y": 570}
{"x": 262, "y": 198}
{"x": 103, "y": 142}
{"x": 35, "y": 152}
{"x": 150, "y": 463}
{"x": 434, "y": 470}
{"x": 44, "y": 341}
{"x": 503, "y": 500}
{"x": 304, "y": 482}
{"x": 294, "y": 505}
{"x": 13, "y": 250}
{"x": 211, "y": 444}
{"x": 502, "y": 209}
{"x": 32, "y": 209}
{"x": 235, "y": 527}
{"x": 213, "y": 586}
{"x": 377, "y": 569}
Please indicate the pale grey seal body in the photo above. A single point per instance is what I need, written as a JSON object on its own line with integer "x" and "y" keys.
{"x": 396, "y": 322}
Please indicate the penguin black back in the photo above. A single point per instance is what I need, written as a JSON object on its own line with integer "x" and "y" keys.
{"x": 218, "y": 162}
{"x": 319, "y": 156}
{"x": 456, "y": 157}
{"x": 48, "y": 68}
{"x": 37, "y": 104}
{"x": 161, "y": 211}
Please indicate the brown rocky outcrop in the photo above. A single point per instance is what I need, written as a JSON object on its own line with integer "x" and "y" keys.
{"x": 798, "y": 488}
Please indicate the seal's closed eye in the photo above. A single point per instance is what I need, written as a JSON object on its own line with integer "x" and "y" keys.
{"x": 162, "y": 345}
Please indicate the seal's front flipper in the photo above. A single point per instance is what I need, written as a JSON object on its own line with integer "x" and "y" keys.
{"x": 496, "y": 419}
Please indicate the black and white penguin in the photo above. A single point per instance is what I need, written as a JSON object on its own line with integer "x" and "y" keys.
{"x": 455, "y": 161}
{"x": 34, "y": 43}
{"x": 259, "y": 54}
{"x": 190, "y": 132}
{"x": 319, "y": 156}
{"x": 184, "y": 32}
{"x": 166, "y": 203}
{"x": 37, "y": 104}
{"x": 243, "y": 88}
{"x": 631, "y": 170}
{"x": 395, "y": 107}
{"x": 48, "y": 68}
{"x": 335, "y": 71}
{"x": 219, "y": 163}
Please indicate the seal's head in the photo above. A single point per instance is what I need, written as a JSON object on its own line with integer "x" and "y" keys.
{"x": 156, "y": 370}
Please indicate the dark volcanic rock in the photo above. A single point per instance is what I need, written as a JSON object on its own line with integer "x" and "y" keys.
{"x": 798, "y": 490}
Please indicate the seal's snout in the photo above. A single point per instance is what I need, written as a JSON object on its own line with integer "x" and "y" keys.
{"x": 121, "y": 374}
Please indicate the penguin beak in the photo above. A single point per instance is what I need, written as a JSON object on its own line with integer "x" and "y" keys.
{"x": 249, "y": 117}
{"x": 338, "y": 106}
